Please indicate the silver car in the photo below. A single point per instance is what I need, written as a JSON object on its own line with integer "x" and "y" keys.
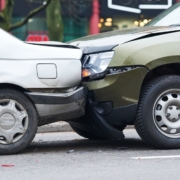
{"x": 39, "y": 84}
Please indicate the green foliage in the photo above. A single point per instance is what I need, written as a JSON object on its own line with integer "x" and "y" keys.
{"x": 54, "y": 21}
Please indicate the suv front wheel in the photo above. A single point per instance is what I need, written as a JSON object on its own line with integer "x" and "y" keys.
{"x": 158, "y": 116}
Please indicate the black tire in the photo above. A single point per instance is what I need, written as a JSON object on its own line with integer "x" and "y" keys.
{"x": 86, "y": 134}
{"x": 31, "y": 127}
{"x": 146, "y": 123}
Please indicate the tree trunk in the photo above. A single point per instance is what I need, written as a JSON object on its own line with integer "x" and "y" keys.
{"x": 30, "y": 15}
{"x": 54, "y": 21}
{"x": 6, "y": 15}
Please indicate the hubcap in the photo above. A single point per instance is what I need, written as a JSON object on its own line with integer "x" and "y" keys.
{"x": 173, "y": 113}
{"x": 166, "y": 113}
{"x": 7, "y": 121}
{"x": 13, "y": 121}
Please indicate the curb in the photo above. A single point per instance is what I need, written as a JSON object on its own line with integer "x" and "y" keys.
{"x": 61, "y": 127}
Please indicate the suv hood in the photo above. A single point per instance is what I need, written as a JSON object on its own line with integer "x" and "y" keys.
{"x": 107, "y": 41}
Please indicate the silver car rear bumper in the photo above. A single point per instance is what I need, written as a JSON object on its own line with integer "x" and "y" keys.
{"x": 53, "y": 107}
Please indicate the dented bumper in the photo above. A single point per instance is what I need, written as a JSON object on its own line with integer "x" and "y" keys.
{"x": 53, "y": 107}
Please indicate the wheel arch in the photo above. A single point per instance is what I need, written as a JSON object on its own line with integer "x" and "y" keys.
{"x": 167, "y": 69}
{"x": 13, "y": 86}
{"x": 17, "y": 87}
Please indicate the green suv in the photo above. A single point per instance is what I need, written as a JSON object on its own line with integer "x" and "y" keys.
{"x": 133, "y": 77}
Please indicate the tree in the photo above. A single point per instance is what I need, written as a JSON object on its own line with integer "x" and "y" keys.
{"x": 54, "y": 21}
{"x": 53, "y": 12}
{"x": 6, "y": 15}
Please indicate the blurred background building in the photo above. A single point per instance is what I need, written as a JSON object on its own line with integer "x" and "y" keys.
{"x": 84, "y": 17}
{"x": 120, "y": 14}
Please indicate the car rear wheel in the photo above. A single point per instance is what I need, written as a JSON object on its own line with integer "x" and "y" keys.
{"x": 18, "y": 121}
{"x": 158, "y": 116}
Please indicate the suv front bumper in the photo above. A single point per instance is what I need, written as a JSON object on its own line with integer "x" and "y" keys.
{"x": 53, "y": 107}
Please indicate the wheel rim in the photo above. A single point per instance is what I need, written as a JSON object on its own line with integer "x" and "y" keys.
{"x": 166, "y": 113}
{"x": 13, "y": 121}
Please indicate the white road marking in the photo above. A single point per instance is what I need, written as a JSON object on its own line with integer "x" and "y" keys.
{"x": 155, "y": 157}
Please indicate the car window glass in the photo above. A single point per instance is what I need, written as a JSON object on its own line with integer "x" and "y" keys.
{"x": 169, "y": 17}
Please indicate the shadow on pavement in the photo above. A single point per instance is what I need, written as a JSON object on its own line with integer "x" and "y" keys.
{"x": 88, "y": 145}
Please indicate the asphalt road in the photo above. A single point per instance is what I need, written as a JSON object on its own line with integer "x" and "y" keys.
{"x": 68, "y": 156}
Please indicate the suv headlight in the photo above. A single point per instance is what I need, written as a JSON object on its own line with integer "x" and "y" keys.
{"x": 95, "y": 65}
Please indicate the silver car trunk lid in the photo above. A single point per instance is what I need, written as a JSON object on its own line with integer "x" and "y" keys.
{"x": 21, "y": 50}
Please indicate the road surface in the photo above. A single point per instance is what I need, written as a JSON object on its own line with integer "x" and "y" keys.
{"x": 68, "y": 156}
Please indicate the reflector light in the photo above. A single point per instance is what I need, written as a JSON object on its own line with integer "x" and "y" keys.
{"x": 86, "y": 73}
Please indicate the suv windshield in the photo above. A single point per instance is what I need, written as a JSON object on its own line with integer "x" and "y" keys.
{"x": 169, "y": 17}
